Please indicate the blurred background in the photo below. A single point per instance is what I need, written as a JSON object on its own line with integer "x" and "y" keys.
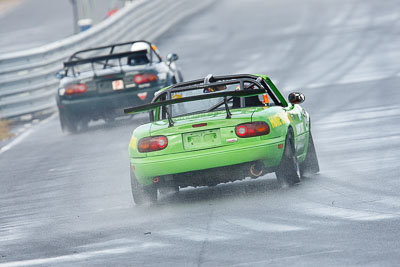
{"x": 27, "y": 23}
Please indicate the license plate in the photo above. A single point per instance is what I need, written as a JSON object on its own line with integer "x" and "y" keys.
{"x": 118, "y": 85}
{"x": 202, "y": 139}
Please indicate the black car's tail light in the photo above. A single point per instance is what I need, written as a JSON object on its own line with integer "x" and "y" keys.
{"x": 154, "y": 143}
{"x": 75, "y": 89}
{"x": 252, "y": 129}
{"x": 145, "y": 78}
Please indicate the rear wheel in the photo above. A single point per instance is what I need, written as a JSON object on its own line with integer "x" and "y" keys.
{"x": 109, "y": 118}
{"x": 288, "y": 172}
{"x": 142, "y": 194}
{"x": 83, "y": 124}
{"x": 310, "y": 165}
{"x": 169, "y": 190}
{"x": 67, "y": 123}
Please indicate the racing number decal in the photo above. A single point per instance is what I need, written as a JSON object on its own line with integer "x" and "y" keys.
{"x": 118, "y": 85}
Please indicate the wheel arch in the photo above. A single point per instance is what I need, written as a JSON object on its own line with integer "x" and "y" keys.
{"x": 289, "y": 129}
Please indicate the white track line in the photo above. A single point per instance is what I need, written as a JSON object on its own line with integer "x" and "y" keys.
{"x": 80, "y": 257}
{"x": 24, "y": 135}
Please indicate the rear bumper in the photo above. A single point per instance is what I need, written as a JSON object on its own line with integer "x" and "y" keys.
{"x": 108, "y": 104}
{"x": 266, "y": 151}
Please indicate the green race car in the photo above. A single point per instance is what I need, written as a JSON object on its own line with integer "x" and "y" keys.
{"x": 219, "y": 129}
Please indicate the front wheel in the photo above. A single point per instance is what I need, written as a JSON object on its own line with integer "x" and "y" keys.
{"x": 288, "y": 172}
{"x": 142, "y": 194}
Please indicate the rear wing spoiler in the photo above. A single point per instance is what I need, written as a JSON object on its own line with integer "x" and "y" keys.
{"x": 163, "y": 103}
{"x": 100, "y": 59}
{"x": 107, "y": 53}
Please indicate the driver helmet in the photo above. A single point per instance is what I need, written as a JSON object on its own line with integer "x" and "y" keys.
{"x": 210, "y": 79}
{"x": 141, "y": 46}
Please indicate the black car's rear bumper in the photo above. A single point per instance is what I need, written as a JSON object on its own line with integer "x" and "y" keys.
{"x": 105, "y": 105}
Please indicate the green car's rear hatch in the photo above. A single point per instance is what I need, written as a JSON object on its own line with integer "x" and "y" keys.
{"x": 200, "y": 131}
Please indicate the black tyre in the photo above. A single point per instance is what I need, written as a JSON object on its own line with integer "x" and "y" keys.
{"x": 169, "y": 190}
{"x": 310, "y": 165}
{"x": 142, "y": 194}
{"x": 109, "y": 119}
{"x": 288, "y": 172}
{"x": 83, "y": 124}
{"x": 67, "y": 123}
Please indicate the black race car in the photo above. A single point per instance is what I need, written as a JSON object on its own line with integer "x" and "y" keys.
{"x": 98, "y": 83}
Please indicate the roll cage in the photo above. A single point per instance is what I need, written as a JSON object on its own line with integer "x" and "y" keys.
{"x": 219, "y": 80}
{"x": 78, "y": 58}
{"x": 163, "y": 99}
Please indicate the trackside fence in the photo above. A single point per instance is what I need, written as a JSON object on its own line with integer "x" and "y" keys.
{"x": 27, "y": 78}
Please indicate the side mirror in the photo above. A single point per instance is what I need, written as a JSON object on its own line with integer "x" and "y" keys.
{"x": 296, "y": 98}
{"x": 60, "y": 74}
{"x": 172, "y": 57}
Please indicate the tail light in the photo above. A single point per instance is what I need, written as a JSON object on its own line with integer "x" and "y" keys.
{"x": 145, "y": 78}
{"x": 75, "y": 89}
{"x": 252, "y": 129}
{"x": 154, "y": 143}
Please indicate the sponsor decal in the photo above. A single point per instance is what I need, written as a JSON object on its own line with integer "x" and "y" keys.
{"x": 277, "y": 120}
{"x": 306, "y": 119}
{"x": 130, "y": 85}
{"x": 142, "y": 96}
{"x": 300, "y": 128}
{"x": 132, "y": 143}
{"x": 290, "y": 117}
{"x": 177, "y": 96}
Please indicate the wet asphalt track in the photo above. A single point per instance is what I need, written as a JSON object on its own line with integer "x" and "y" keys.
{"x": 65, "y": 199}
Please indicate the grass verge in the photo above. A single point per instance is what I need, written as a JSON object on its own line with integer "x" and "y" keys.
{"x": 5, "y": 130}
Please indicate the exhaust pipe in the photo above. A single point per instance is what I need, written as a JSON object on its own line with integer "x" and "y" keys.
{"x": 256, "y": 170}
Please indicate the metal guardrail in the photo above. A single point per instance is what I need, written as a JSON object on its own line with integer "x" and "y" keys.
{"x": 27, "y": 79}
